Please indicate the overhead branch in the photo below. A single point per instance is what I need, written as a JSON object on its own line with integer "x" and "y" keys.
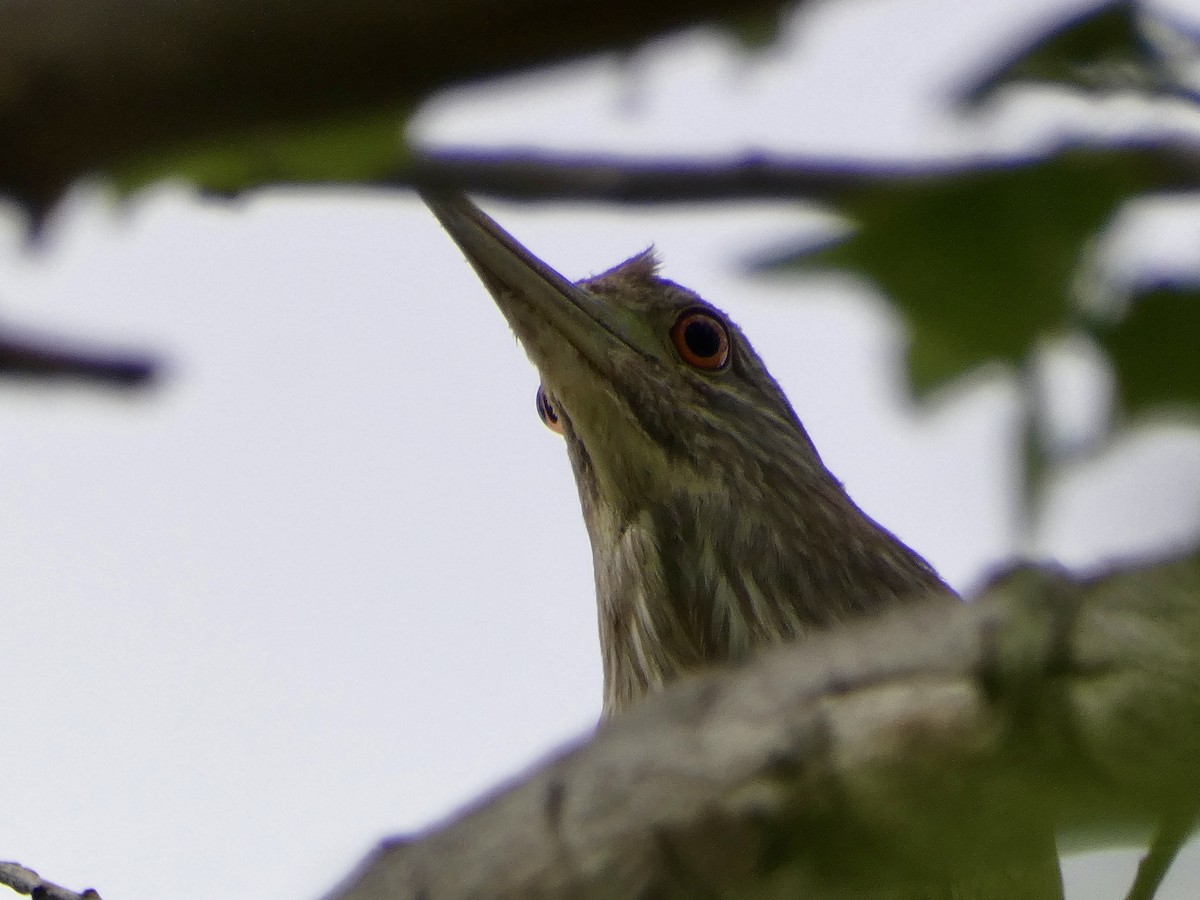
{"x": 523, "y": 175}
{"x": 859, "y": 762}
{"x": 90, "y": 85}
{"x": 564, "y": 176}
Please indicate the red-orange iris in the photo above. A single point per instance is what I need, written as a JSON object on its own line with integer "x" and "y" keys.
{"x": 702, "y": 339}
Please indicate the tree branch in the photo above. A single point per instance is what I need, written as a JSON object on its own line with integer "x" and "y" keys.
{"x": 520, "y": 175}
{"x": 27, "y": 881}
{"x": 860, "y": 762}
{"x": 561, "y": 176}
{"x": 25, "y": 356}
{"x": 87, "y": 85}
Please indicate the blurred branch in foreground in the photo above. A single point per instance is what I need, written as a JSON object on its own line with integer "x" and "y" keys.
{"x": 862, "y": 761}
{"x": 137, "y": 88}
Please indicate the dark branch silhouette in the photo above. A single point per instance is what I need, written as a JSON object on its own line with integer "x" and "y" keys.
{"x": 524, "y": 175}
{"x": 26, "y": 356}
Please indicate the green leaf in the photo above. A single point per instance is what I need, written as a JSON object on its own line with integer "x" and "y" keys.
{"x": 360, "y": 149}
{"x": 1101, "y": 50}
{"x": 1155, "y": 350}
{"x": 981, "y": 261}
{"x": 756, "y": 29}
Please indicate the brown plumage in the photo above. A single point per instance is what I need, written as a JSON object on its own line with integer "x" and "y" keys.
{"x": 715, "y": 527}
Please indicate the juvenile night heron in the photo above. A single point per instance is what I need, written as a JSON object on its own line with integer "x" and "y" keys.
{"x": 715, "y": 527}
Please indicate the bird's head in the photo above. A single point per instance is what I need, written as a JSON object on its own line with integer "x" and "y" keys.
{"x": 654, "y": 389}
{"x": 715, "y": 527}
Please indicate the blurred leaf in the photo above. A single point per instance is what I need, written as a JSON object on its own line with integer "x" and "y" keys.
{"x": 1106, "y": 37}
{"x": 981, "y": 261}
{"x": 1155, "y": 350}
{"x": 756, "y": 29}
{"x": 1100, "y": 50}
{"x": 350, "y": 151}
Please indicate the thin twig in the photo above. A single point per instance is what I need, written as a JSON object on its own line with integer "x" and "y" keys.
{"x": 1172, "y": 834}
{"x": 629, "y": 179}
{"x": 31, "y": 357}
{"x": 753, "y": 176}
{"x": 26, "y": 881}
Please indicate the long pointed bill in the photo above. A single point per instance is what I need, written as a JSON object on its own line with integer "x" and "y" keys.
{"x": 520, "y": 282}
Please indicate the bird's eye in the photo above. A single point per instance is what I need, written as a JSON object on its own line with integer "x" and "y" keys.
{"x": 701, "y": 339}
{"x": 546, "y": 411}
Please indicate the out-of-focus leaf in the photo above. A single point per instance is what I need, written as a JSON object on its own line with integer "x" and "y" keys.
{"x": 981, "y": 261}
{"x": 1155, "y": 350}
{"x": 758, "y": 29}
{"x": 1100, "y": 50}
{"x": 353, "y": 151}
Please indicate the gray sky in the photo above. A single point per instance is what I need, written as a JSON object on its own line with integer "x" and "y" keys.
{"x": 330, "y": 580}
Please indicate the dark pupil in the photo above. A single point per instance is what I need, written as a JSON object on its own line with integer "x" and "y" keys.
{"x": 702, "y": 338}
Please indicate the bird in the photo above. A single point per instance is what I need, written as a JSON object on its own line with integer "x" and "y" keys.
{"x": 716, "y": 529}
